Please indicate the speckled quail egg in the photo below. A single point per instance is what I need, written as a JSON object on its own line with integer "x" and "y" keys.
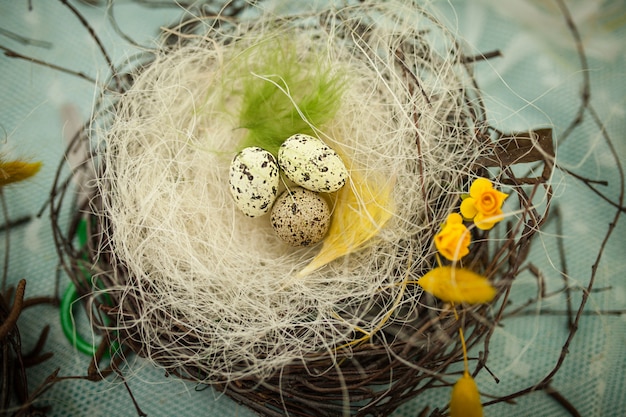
{"x": 310, "y": 163}
{"x": 300, "y": 217}
{"x": 253, "y": 178}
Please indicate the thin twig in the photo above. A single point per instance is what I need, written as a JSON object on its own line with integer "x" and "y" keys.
{"x": 7, "y": 241}
{"x": 20, "y": 221}
{"x": 16, "y": 310}
{"x": 96, "y": 39}
{"x": 563, "y": 267}
{"x": 563, "y": 401}
{"x": 13, "y": 54}
{"x": 481, "y": 57}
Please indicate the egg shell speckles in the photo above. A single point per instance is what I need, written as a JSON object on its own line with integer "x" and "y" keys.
{"x": 300, "y": 217}
{"x": 253, "y": 179}
{"x": 310, "y": 163}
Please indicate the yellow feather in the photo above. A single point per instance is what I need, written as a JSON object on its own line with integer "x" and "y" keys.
{"x": 14, "y": 171}
{"x": 362, "y": 207}
{"x": 465, "y": 401}
{"x": 457, "y": 285}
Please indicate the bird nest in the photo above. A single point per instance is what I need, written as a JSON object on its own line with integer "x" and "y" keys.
{"x": 172, "y": 271}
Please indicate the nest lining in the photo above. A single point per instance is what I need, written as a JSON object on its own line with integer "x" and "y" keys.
{"x": 212, "y": 289}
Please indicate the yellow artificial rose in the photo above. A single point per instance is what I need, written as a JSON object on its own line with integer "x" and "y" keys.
{"x": 484, "y": 204}
{"x": 453, "y": 239}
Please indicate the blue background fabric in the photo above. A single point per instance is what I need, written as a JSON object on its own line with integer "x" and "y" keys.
{"x": 536, "y": 82}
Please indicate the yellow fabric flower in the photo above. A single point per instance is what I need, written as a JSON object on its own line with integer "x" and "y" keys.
{"x": 484, "y": 204}
{"x": 453, "y": 240}
{"x": 465, "y": 400}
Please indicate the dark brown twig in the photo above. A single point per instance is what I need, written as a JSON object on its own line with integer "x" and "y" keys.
{"x": 7, "y": 241}
{"x": 16, "y": 310}
{"x": 564, "y": 272}
{"x": 13, "y": 54}
{"x": 481, "y": 57}
{"x": 20, "y": 221}
{"x": 96, "y": 39}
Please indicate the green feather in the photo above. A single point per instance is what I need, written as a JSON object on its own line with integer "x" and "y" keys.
{"x": 284, "y": 92}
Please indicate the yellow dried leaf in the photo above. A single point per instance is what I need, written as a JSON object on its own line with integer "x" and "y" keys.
{"x": 457, "y": 285}
{"x": 15, "y": 171}
{"x": 362, "y": 208}
{"x": 465, "y": 401}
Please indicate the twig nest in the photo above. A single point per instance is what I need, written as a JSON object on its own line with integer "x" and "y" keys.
{"x": 312, "y": 164}
{"x": 300, "y": 217}
{"x": 213, "y": 295}
{"x": 253, "y": 179}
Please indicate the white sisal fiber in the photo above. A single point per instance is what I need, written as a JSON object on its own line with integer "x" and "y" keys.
{"x": 217, "y": 289}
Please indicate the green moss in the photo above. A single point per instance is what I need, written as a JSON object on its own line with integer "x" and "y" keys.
{"x": 273, "y": 82}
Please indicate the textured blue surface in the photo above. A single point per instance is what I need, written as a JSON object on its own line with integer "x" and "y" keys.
{"x": 536, "y": 82}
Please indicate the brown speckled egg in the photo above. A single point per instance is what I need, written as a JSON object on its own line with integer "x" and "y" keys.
{"x": 300, "y": 217}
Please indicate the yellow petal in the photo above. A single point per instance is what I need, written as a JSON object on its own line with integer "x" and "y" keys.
{"x": 457, "y": 285}
{"x": 362, "y": 208}
{"x": 14, "y": 171}
{"x": 454, "y": 218}
{"x": 487, "y": 222}
{"x": 500, "y": 197}
{"x": 479, "y": 186}
{"x": 468, "y": 208}
{"x": 465, "y": 401}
